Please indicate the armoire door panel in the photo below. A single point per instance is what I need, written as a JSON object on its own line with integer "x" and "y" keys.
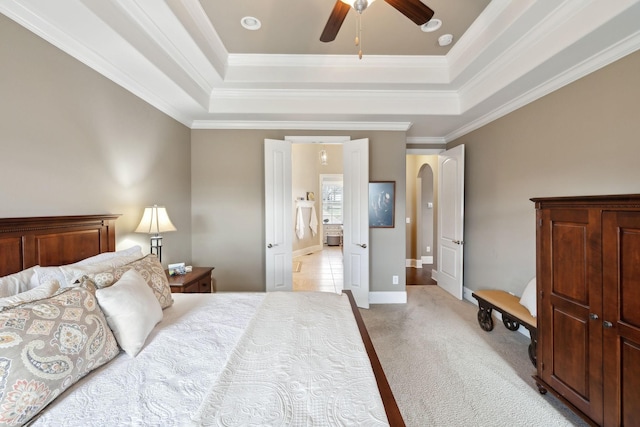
{"x": 571, "y": 352}
{"x": 629, "y": 285}
{"x": 569, "y": 253}
{"x": 621, "y": 287}
{"x": 630, "y": 380}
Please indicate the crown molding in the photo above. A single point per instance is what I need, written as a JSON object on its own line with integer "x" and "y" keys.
{"x": 195, "y": 21}
{"x": 594, "y": 63}
{"x": 425, "y": 140}
{"x": 300, "y": 125}
{"x": 332, "y": 61}
{"x": 490, "y": 25}
{"x": 317, "y": 139}
{"x": 274, "y": 101}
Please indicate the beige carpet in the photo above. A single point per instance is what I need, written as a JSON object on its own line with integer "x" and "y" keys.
{"x": 446, "y": 371}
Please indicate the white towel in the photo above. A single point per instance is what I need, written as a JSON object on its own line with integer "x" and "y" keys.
{"x": 313, "y": 222}
{"x": 299, "y": 223}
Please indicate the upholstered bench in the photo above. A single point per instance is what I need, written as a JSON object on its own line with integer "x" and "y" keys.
{"x": 513, "y": 313}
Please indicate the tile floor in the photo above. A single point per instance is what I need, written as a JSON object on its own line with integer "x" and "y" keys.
{"x": 320, "y": 271}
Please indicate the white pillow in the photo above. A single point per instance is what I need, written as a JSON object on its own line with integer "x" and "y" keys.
{"x": 528, "y": 298}
{"x": 15, "y": 283}
{"x": 41, "y": 292}
{"x": 109, "y": 259}
{"x": 44, "y": 275}
{"x": 134, "y": 251}
{"x": 131, "y": 309}
{"x": 74, "y": 272}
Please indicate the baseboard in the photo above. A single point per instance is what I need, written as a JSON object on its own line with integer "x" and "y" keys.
{"x": 413, "y": 263}
{"x": 418, "y": 263}
{"x": 307, "y": 251}
{"x": 399, "y": 297}
{"x": 467, "y": 294}
{"x": 427, "y": 260}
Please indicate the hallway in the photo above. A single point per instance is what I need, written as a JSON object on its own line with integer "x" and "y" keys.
{"x": 320, "y": 271}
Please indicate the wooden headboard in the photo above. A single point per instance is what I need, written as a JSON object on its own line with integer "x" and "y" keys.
{"x": 56, "y": 240}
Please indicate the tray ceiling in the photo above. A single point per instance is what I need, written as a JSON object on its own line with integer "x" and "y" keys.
{"x": 194, "y": 61}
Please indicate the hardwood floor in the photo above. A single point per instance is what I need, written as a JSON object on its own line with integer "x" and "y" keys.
{"x": 420, "y": 276}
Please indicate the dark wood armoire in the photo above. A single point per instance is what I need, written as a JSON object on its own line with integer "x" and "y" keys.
{"x": 588, "y": 279}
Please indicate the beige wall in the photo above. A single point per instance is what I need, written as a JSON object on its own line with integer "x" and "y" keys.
{"x": 228, "y": 205}
{"x": 73, "y": 143}
{"x": 580, "y": 140}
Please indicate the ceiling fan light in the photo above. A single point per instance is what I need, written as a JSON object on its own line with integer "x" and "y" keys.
{"x": 431, "y": 25}
{"x": 445, "y": 40}
{"x": 359, "y": 5}
{"x": 251, "y": 23}
{"x": 323, "y": 157}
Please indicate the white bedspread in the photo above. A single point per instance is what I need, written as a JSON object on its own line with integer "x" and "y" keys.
{"x": 165, "y": 383}
{"x": 239, "y": 359}
{"x": 301, "y": 362}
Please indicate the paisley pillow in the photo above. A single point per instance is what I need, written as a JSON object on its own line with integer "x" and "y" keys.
{"x": 149, "y": 268}
{"x": 46, "y": 346}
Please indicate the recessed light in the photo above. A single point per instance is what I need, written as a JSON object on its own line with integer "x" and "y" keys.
{"x": 445, "y": 39}
{"x": 432, "y": 25}
{"x": 251, "y": 23}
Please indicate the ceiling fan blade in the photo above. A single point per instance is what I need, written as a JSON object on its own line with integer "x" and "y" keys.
{"x": 335, "y": 21}
{"x": 415, "y": 10}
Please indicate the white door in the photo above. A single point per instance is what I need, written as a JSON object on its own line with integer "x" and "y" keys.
{"x": 356, "y": 220}
{"x": 278, "y": 220}
{"x": 451, "y": 220}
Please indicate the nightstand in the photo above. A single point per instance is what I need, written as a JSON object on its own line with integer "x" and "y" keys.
{"x": 197, "y": 281}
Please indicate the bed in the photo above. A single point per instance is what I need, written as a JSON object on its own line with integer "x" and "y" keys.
{"x": 216, "y": 359}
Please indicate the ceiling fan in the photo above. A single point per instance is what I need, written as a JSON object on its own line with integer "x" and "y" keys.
{"x": 415, "y": 10}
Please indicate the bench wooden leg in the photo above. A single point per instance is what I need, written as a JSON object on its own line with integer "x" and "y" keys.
{"x": 484, "y": 317}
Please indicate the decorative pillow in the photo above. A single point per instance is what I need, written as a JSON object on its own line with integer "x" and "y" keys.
{"x": 149, "y": 268}
{"x": 132, "y": 310}
{"x": 73, "y": 272}
{"x": 98, "y": 262}
{"x": 16, "y": 283}
{"x": 134, "y": 251}
{"x": 528, "y": 298}
{"x": 46, "y": 346}
{"x": 152, "y": 272}
{"x": 44, "y": 291}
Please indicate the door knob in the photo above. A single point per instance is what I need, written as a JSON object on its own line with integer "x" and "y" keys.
{"x": 362, "y": 245}
{"x": 271, "y": 246}
{"x": 593, "y": 316}
{"x": 607, "y": 324}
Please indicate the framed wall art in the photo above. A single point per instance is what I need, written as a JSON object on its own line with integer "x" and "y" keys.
{"x": 382, "y": 204}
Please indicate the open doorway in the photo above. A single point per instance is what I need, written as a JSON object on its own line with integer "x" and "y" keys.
{"x": 448, "y": 214}
{"x": 317, "y": 254}
{"x": 421, "y": 210}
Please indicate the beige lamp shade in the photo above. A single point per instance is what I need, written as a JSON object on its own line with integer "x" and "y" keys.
{"x": 155, "y": 220}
